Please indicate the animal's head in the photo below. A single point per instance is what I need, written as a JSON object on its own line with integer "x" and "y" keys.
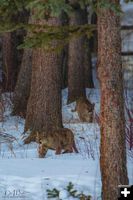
{"x": 40, "y": 136}
{"x": 44, "y": 141}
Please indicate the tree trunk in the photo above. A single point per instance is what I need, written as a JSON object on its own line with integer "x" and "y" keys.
{"x": 76, "y": 84}
{"x": 12, "y": 57}
{"x": 88, "y": 74}
{"x": 22, "y": 89}
{"x": 113, "y": 147}
{"x": 94, "y": 39}
{"x": 64, "y": 65}
{"x": 44, "y": 105}
{"x": 9, "y": 62}
{"x": 79, "y": 58}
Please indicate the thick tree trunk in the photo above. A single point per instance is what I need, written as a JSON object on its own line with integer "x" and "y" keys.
{"x": 44, "y": 105}
{"x": 88, "y": 74}
{"x": 12, "y": 57}
{"x": 113, "y": 148}
{"x": 94, "y": 39}
{"x": 23, "y": 84}
{"x": 9, "y": 62}
{"x": 22, "y": 89}
{"x": 76, "y": 52}
{"x": 79, "y": 58}
{"x": 64, "y": 65}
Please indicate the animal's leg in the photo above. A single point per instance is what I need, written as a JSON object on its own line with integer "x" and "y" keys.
{"x": 42, "y": 150}
{"x": 58, "y": 150}
{"x": 74, "y": 147}
{"x": 68, "y": 150}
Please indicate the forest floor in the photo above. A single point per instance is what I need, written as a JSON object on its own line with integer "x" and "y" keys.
{"x": 23, "y": 176}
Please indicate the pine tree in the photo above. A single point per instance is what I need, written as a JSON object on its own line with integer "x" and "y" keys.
{"x": 22, "y": 88}
{"x": 76, "y": 52}
{"x": 9, "y": 61}
{"x": 44, "y": 105}
{"x": 112, "y": 148}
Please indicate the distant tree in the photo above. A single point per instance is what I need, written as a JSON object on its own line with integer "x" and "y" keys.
{"x": 22, "y": 88}
{"x": 12, "y": 57}
{"x": 79, "y": 57}
{"x": 76, "y": 85}
{"x": 113, "y": 141}
{"x": 94, "y": 40}
{"x": 9, "y": 70}
{"x": 88, "y": 74}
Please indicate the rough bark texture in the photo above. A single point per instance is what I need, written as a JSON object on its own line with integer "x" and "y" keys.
{"x": 22, "y": 89}
{"x": 1, "y": 62}
{"x": 64, "y": 65}
{"x": 88, "y": 73}
{"x": 88, "y": 77}
{"x": 76, "y": 85}
{"x": 23, "y": 84}
{"x": 12, "y": 57}
{"x": 113, "y": 148}
{"x": 44, "y": 105}
{"x": 94, "y": 38}
{"x": 9, "y": 62}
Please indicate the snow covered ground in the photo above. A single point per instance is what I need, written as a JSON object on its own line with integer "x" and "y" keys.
{"x": 30, "y": 177}
{"x": 24, "y": 176}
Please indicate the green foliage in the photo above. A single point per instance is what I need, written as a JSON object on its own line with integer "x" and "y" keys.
{"x": 40, "y": 10}
{"x": 43, "y": 9}
{"x": 71, "y": 190}
{"x": 46, "y": 8}
{"x": 74, "y": 193}
{"x": 108, "y": 5}
{"x": 10, "y": 8}
{"x": 46, "y": 38}
{"x": 54, "y": 193}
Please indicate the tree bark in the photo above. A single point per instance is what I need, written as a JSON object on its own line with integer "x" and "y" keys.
{"x": 88, "y": 74}
{"x": 64, "y": 65}
{"x": 44, "y": 105}
{"x": 22, "y": 89}
{"x": 12, "y": 57}
{"x": 76, "y": 84}
{"x": 23, "y": 84}
{"x": 9, "y": 62}
{"x": 94, "y": 38}
{"x": 113, "y": 147}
